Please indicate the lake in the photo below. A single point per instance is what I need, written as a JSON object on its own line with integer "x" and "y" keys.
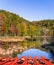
{"x": 32, "y": 48}
{"x": 36, "y": 52}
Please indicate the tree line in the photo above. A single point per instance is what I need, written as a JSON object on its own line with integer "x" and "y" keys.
{"x": 12, "y": 24}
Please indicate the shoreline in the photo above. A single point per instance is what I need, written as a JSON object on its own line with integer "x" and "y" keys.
{"x": 20, "y": 38}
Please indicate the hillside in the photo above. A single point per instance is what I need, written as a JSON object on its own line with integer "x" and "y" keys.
{"x": 13, "y": 25}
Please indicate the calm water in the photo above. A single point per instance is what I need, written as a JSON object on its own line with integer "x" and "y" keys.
{"x": 34, "y": 49}
{"x": 27, "y": 48}
{"x": 36, "y": 52}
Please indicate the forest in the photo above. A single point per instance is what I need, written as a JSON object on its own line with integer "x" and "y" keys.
{"x": 12, "y": 24}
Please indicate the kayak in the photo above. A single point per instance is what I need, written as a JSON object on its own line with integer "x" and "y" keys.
{"x": 37, "y": 61}
{"x": 4, "y": 60}
{"x": 26, "y": 61}
{"x": 22, "y": 61}
{"x": 47, "y": 61}
{"x": 30, "y": 61}
{"x": 11, "y": 61}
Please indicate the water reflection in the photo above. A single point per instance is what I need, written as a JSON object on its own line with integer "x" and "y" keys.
{"x": 36, "y": 52}
{"x": 14, "y": 48}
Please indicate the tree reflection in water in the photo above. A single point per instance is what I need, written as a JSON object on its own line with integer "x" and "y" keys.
{"x": 18, "y": 47}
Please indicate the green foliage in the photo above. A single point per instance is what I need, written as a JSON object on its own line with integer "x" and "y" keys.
{"x": 21, "y": 27}
{"x": 6, "y": 45}
{"x": 14, "y": 54}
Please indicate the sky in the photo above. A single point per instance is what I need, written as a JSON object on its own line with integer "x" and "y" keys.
{"x": 31, "y": 10}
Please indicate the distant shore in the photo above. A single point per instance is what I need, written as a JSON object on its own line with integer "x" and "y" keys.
{"x": 19, "y": 38}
